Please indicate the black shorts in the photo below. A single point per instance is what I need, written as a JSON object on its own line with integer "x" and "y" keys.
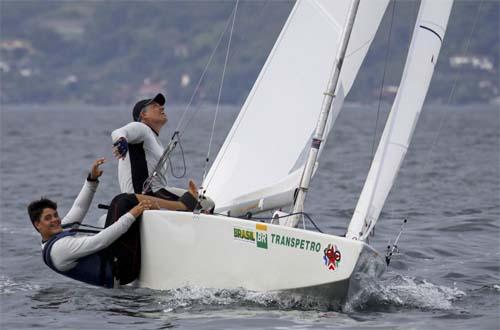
{"x": 187, "y": 199}
{"x": 165, "y": 194}
{"x": 125, "y": 251}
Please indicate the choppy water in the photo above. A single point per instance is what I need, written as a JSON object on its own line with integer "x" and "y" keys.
{"x": 446, "y": 276}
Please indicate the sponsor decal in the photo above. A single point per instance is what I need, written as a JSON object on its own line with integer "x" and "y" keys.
{"x": 261, "y": 235}
{"x": 248, "y": 235}
{"x": 294, "y": 242}
{"x": 244, "y": 235}
{"x": 332, "y": 257}
{"x": 260, "y": 238}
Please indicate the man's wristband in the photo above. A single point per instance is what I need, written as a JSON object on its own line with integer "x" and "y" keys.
{"x": 89, "y": 178}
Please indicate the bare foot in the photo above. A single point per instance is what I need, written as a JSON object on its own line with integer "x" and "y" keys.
{"x": 192, "y": 189}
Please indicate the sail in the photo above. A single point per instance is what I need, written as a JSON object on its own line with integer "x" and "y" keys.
{"x": 417, "y": 74}
{"x": 261, "y": 161}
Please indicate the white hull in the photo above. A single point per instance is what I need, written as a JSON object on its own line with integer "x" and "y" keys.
{"x": 184, "y": 249}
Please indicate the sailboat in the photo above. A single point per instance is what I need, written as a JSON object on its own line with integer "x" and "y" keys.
{"x": 272, "y": 152}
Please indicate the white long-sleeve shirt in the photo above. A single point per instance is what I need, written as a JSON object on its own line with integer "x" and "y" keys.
{"x": 141, "y": 156}
{"x": 67, "y": 250}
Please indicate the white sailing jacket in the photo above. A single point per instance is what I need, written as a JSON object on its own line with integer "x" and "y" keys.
{"x": 67, "y": 250}
{"x": 145, "y": 150}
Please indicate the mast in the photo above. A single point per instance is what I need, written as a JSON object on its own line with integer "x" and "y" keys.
{"x": 323, "y": 117}
{"x": 422, "y": 57}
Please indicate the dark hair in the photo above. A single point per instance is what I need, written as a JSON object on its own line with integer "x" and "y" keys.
{"x": 35, "y": 209}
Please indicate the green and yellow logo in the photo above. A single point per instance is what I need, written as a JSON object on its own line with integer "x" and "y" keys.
{"x": 247, "y": 235}
{"x": 261, "y": 230}
{"x": 244, "y": 235}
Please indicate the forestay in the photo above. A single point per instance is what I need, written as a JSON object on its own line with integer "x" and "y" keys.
{"x": 422, "y": 58}
{"x": 261, "y": 161}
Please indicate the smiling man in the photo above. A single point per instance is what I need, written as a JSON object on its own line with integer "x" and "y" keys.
{"x": 92, "y": 258}
{"x": 81, "y": 257}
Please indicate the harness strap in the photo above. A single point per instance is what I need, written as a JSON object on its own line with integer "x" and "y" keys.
{"x": 84, "y": 270}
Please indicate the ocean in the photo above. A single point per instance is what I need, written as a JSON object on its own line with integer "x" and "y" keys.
{"x": 445, "y": 276}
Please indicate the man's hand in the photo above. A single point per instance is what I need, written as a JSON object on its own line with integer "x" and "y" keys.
{"x": 137, "y": 210}
{"x": 120, "y": 148}
{"x": 96, "y": 172}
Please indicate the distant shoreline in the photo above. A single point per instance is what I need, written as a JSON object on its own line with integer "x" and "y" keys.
{"x": 210, "y": 106}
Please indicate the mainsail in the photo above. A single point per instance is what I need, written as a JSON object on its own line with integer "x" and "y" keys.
{"x": 261, "y": 161}
{"x": 422, "y": 58}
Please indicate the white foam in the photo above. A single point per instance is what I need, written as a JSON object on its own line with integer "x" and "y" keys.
{"x": 8, "y": 286}
{"x": 407, "y": 292}
{"x": 188, "y": 297}
{"x": 200, "y": 303}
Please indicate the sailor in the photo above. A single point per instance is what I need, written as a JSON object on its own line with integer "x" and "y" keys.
{"x": 138, "y": 149}
{"x": 92, "y": 258}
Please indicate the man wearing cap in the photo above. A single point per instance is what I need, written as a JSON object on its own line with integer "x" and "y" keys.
{"x": 138, "y": 148}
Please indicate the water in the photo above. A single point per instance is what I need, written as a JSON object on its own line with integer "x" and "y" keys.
{"x": 446, "y": 276}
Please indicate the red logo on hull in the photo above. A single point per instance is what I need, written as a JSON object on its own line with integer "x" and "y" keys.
{"x": 332, "y": 257}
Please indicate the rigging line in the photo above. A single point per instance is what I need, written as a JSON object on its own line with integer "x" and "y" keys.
{"x": 371, "y": 225}
{"x": 452, "y": 91}
{"x": 244, "y": 37}
{"x": 162, "y": 170}
{"x": 208, "y": 64}
{"x": 359, "y": 48}
{"x": 79, "y": 224}
{"x": 242, "y": 113}
{"x": 87, "y": 231}
{"x": 273, "y": 218}
{"x": 220, "y": 91}
{"x": 205, "y": 70}
{"x": 183, "y": 163}
{"x": 383, "y": 80}
{"x": 413, "y": 14}
{"x": 181, "y": 126}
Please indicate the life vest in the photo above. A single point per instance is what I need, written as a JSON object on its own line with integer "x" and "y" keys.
{"x": 95, "y": 269}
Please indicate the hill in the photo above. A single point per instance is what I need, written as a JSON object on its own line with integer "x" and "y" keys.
{"x": 116, "y": 51}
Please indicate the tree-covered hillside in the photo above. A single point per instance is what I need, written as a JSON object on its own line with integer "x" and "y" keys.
{"x": 110, "y": 52}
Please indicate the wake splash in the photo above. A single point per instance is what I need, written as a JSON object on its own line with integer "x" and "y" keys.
{"x": 399, "y": 292}
{"x": 203, "y": 298}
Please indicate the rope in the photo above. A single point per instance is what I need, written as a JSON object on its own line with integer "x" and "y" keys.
{"x": 76, "y": 223}
{"x": 273, "y": 218}
{"x": 205, "y": 70}
{"x": 67, "y": 225}
{"x": 241, "y": 114}
{"x": 414, "y": 13}
{"x": 452, "y": 93}
{"x": 450, "y": 97}
{"x": 383, "y": 80}
{"x": 207, "y": 159}
{"x": 160, "y": 170}
{"x": 183, "y": 162}
{"x": 182, "y": 124}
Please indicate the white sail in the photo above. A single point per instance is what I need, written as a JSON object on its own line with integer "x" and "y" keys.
{"x": 422, "y": 58}
{"x": 261, "y": 161}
